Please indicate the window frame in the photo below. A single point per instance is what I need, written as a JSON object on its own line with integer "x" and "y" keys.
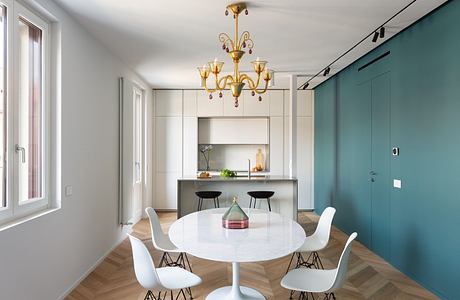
{"x": 15, "y": 208}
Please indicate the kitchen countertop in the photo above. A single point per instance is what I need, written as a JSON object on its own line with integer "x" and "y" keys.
{"x": 238, "y": 179}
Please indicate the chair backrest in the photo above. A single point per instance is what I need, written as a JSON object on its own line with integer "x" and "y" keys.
{"x": 144, "y": 267}
{"x": 158, "y": 236}
{"x": 342, "y": 268}
{"x": 323, "y": 230}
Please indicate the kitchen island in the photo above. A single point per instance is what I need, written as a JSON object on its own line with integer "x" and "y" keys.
{"x": 284, "y": 201}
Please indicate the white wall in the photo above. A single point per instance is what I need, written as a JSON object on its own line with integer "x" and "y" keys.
{"x": 44, "y": 257}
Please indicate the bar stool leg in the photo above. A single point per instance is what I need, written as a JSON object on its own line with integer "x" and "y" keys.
{"x": 269, "y": 206}
{"x": 215, "y": 203}
{"x": 218, "y": 204}
{"x": 255, "y": 201}
{"x": 250, "y": 202}
{"x": 199, "y": 203}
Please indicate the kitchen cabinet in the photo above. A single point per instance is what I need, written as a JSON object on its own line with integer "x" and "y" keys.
{"x": 168, "y": 103}
{"x": 233, "y": 131}
{"x": 253, "y": 107}
{"x": 305, "y": 161}
{"x": 276, "y": 145}
{"x": 276, "y": 103}
{"x": 207, "y": 107}
{"x": 168, "y": 160}
{"x": 190, "y": 146}
{"x": 304, "y": 103}
{"x": 190, "y": 103}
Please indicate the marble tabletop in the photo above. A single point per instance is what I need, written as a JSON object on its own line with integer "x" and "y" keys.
{"x": 269, "y": 236}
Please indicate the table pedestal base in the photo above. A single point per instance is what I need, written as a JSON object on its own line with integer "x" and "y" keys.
{"x": 235, "y": 292}
{"x": 225, "y": 293}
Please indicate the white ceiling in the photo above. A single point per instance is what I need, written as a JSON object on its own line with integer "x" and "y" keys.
{"x": 165, "y": 40}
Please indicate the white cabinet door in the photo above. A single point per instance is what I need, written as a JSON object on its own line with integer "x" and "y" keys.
{"x": 207, "y": 107}
{"x": 190, "y": 146}
{"x": 229, "y": 105}
{"x": 255, "y": 108}
{"x": 276, "y": 103}
{"x": 168, "y": 103}
{"x": 168, "y": 144}
{"x": 243, "y": 131}
{"x": 305, "y": 103}
{"x": 276, "y": 145}
{"x": 166, "y": 190}
{"x": 304, "y": 161}
{"x": 190, "y": 103}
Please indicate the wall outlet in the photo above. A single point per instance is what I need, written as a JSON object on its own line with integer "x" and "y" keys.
{"x": 397, "y": 183}
{"x": 68, "y": 190}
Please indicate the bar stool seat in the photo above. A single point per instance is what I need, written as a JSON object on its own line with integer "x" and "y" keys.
{"x": 207, "y": 195}
{"x": 261, "y": 195}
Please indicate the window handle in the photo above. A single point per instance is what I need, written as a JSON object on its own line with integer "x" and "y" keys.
{"x": 23, "y": 151}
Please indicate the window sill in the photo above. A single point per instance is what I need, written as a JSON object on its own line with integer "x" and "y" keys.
{"x": 27, "y": 218}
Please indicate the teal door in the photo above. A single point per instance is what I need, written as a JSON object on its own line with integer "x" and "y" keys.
{"x": 364, "y": 152}
{"x": 380, "y": 180}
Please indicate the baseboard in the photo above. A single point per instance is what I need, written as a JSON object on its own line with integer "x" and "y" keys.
{"x": 165, "y": 210}
{"x": 91, "y": 269}
{"x": 306, "y": 210}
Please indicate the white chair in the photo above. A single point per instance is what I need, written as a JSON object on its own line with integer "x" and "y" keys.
{"x": 315, "y": 242}
{"x": 162, "y": 242}
{"x": 161, "y": 279}
{"x": 308, "y": 281}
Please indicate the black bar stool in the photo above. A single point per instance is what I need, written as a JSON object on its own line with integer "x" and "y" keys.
{"x": 261, "y": 195}
{"x": 214, "y": 195}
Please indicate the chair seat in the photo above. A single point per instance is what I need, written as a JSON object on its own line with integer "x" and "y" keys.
{"x": 312, "y": 243}
{"x": 175, "y": 278}
{"x": 208, "y": 194}
{"x": 261, "y": 194}
{"x": 309, "y": 280}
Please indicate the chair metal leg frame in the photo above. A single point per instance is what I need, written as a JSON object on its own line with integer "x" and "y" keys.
{"x": 182, "y": 261}
{"x": 305, "y": 296}
{"x": 161, "y": 296}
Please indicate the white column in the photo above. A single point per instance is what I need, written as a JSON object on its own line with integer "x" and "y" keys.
{"x": 293, "y": 126}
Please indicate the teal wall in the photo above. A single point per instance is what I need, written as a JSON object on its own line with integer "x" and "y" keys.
{"x": 424, "y": 216}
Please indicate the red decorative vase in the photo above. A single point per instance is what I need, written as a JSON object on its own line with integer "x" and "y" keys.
{"x": 235, "y": 218}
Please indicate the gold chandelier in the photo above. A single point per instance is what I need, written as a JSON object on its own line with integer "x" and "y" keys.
{"x": 234, "y": 47}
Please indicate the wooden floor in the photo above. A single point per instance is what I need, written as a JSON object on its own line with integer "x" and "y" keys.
{"x": 369, "y": 277}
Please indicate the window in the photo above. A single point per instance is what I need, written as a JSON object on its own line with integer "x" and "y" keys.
{"x": 24, "y": 113}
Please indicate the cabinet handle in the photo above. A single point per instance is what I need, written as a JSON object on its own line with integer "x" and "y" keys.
{"x": 23, "y": 152}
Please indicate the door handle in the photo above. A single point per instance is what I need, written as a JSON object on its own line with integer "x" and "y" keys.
{"x": 23, "y": 152}
{"x": 372, "y": 173}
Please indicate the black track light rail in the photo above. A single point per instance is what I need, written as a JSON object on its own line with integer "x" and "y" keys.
{"x": 376, "y": 31}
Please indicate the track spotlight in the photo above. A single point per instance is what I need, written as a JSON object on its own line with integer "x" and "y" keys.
{"x": 305, "y": 86}
{"x": 376, "y": 37}
{"x": 382, "y": 32}
{"x": 326, "y": 71}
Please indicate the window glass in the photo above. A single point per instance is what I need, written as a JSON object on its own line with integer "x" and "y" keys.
{"x": 29, "y": 132}
{"x": 3, "y": 106}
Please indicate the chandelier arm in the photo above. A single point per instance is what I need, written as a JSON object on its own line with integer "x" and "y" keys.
{"x": 246, "y": 38}
{"x": 248, "y": 80}
{"x": 264, "y": 90}
{"x": 224, "y": 79}
{"x": 224, "y": 38}
{"x": 206, "y": 87}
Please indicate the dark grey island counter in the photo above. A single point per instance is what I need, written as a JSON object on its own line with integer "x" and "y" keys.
{"x": 284, "y": 200}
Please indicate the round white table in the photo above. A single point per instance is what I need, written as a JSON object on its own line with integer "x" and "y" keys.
{"x": 269, "y": 236}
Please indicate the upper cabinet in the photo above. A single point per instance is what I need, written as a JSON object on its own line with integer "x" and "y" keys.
{"x": 190, "y": 103}
{"x": 168, "y": 103}
{"x": 249, "y": 131}
{"x": 253, "y": 107}
{"x": 276, "y": 103}
{"x": 209, "y": 107}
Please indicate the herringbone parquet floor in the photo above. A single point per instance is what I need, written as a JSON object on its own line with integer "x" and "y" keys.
{"x": 369, "y": 277}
